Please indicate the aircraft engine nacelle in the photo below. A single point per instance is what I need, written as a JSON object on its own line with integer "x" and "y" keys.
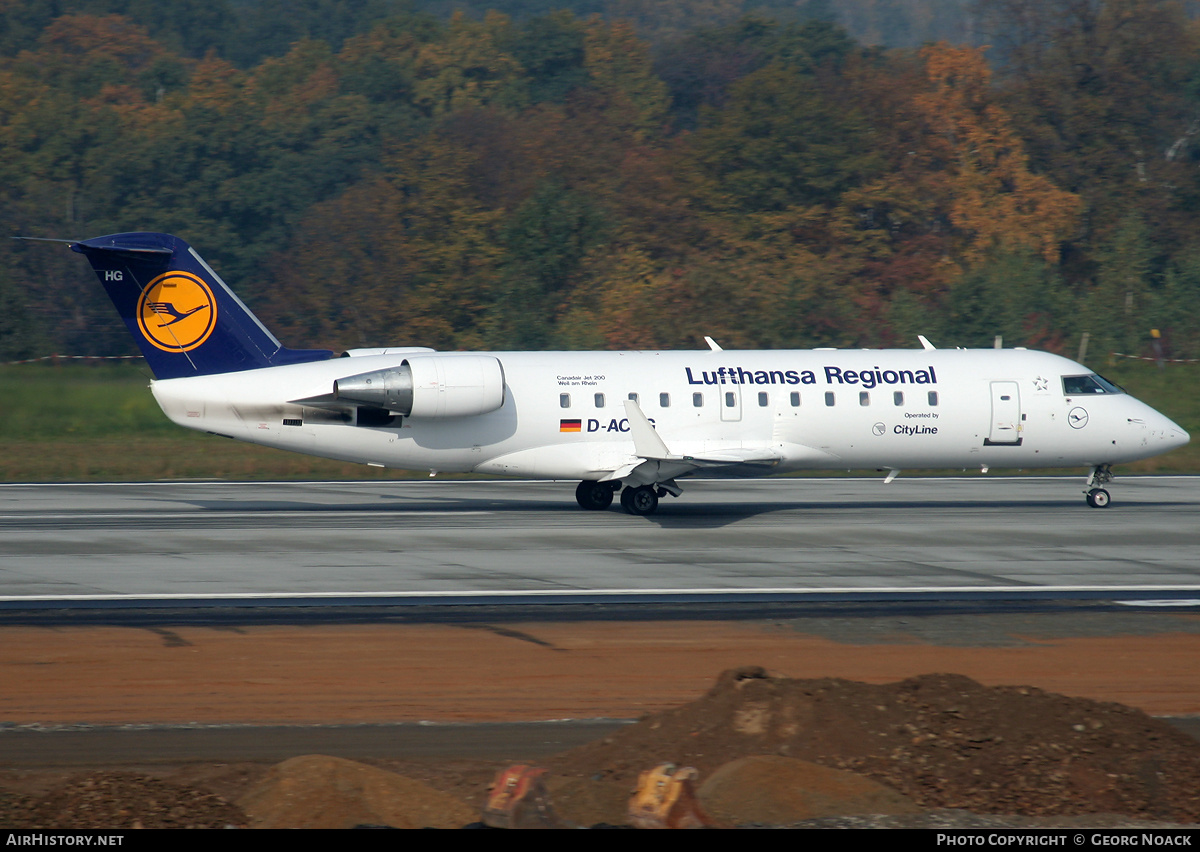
{"x": 430, "y": 386}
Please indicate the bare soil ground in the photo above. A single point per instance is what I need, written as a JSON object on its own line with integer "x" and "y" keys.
{"x": 1012, "y": 718}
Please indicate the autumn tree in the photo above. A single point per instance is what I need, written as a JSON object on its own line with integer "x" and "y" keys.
{"x": 410, "y": 258}
{"x": 1104, "y": 94}
{"x": 780, "y": 142}
{"x": 469, "y": 68}
{"x": 994, "y": 200}
{"x": 702, "y": 64}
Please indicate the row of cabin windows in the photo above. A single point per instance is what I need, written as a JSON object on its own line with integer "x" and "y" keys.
{"x": 664, "y": 399}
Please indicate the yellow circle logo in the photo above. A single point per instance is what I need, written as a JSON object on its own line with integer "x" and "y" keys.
{"x": 177, "y": 312}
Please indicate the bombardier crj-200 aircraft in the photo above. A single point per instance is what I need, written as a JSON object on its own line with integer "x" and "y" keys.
{"x": 634, "y": 422}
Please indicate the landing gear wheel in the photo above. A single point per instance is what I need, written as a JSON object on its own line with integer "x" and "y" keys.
{"x": 1098, "y": 498}
{"x": 639, "y": 501}
{"x": 592, "y": 495}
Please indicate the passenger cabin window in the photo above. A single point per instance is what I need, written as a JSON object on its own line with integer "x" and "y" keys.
{"x": 1078, "y": 385}
{"x": 795, "y": 399}
{"x": 933, "y": 398}
{"x": 762, "y": 399}
{"x": 664, "y": 400}
{"x": 864, "y": 398}
{"x": 698, "y": 399}
{"x": 633, "y": 397}
{"x": 730, "y": 399}
{"x": 599, "y": 400}
{"x": 898, "y": 397}
{"x": 564, "y": 400}
{"x": 829, "y": 398}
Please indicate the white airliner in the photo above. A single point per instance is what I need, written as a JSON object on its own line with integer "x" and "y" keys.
{"x": 634, "y": 422}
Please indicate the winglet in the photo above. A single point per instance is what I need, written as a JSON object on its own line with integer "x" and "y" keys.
{"x": 646, "y": 442}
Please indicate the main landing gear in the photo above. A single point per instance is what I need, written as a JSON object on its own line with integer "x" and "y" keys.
{"x": 595, "y": 496}
{"x": 1097, "y": 497}
{"x": 635, "y": 499}
{"x": 642, "y": 500}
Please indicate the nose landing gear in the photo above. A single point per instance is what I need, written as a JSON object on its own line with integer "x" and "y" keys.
{"x": 1097, "y": 497}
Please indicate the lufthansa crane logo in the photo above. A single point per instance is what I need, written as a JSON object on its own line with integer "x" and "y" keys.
{"x": 177, "y": 312}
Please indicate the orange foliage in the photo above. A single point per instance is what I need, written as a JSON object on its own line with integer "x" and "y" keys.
{"x": 84, "y": 38}
{"x": 995, "y": 201}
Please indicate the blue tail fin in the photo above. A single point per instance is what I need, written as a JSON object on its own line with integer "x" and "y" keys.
{"x": 185, "y": 319}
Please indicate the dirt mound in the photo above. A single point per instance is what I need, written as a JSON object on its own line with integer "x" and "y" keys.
{"x": 121, "y": 800}
{"x": 316, "y": 791}
{"x": 944, "y": 741}
{"x": 960, "y": 750}
{"x": 590, "y": 801}
{"x": 773, "y": 790}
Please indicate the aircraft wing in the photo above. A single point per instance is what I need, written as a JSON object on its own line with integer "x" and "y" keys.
{"x": 735, "y": 456}
{"x": 657, "y": 463}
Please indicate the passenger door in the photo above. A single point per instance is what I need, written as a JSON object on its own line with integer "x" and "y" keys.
{"x": 1006, "y": 414}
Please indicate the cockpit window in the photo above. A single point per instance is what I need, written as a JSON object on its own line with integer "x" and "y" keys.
{"x": 1092, "y": 383}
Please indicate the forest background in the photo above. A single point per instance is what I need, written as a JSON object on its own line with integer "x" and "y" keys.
{"x": 624, "y": 174}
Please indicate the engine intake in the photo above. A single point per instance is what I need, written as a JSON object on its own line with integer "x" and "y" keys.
{"x": 429, "y": 386}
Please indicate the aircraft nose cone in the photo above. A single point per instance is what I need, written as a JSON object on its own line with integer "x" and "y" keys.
{"x": 1172, "y": 434}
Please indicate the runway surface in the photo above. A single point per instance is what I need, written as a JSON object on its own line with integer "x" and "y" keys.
{"x": 401, "y": 542}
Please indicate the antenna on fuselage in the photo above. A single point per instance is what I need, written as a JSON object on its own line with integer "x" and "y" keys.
{"x": 925, "y": 344}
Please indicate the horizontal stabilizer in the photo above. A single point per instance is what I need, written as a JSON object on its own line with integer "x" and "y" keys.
{"x": 135, "y": 251}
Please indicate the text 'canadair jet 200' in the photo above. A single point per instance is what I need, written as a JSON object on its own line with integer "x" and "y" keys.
{"x": 634, "y": 422}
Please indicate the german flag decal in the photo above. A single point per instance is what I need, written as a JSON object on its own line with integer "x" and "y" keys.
{"x": 570, "y": 425}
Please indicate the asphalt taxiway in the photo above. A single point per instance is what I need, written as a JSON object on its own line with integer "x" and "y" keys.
{"x": 344, "y": 543}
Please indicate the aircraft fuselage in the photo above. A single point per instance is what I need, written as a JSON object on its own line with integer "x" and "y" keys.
{"x": 562, "y": 415}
